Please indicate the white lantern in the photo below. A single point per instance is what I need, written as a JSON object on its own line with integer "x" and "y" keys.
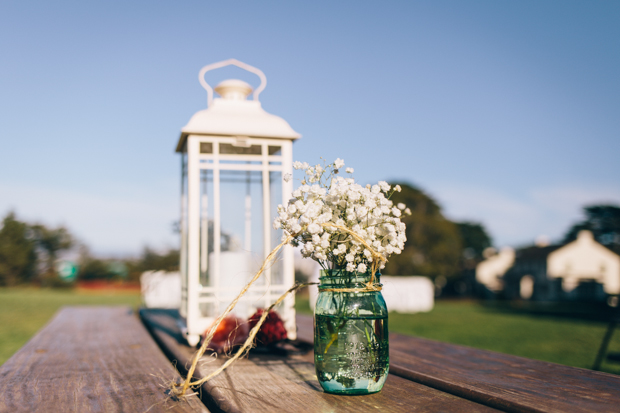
{"x": 234, "y": 155}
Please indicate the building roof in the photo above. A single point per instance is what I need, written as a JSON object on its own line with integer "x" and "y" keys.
{"x": 535, "y": 253}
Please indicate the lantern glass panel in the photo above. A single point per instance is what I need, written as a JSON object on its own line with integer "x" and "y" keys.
{"x": 206, "y": 147}
{"x": 277, "y": 271}
{"x": 231, "y": 149}
{"x": 241, "y": 247}
{"x": 206, "y": 224}
{"x": 275, "y": 150}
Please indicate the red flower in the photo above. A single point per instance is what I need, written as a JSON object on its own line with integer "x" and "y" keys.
{"x": 232, "y": 331}
{"x": 272, "y": 329}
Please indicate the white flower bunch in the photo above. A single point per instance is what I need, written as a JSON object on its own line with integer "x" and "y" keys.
{"x": 324, "y": 200}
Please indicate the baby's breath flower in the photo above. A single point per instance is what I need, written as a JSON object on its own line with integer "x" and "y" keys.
{"x": 313, "y": 211}
{"x": 384, "y": 186}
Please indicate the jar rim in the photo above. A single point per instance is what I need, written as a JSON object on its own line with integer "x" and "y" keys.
{"x": 346, "y": 279}
{"x": 346, "y": 273}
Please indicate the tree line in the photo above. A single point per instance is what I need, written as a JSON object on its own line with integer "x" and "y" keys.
{"x": 29, "y": 253}
{"x": 435, "y": 247}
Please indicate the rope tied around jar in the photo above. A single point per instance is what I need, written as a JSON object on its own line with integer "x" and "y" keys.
{"x": 179, "y": 389}
{"x": 377, "y": 260}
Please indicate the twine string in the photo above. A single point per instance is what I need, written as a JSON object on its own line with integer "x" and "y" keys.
{"x": 371, "y": 286}
{"x": 377, "y": 260}
{"x": 187, "y": 383}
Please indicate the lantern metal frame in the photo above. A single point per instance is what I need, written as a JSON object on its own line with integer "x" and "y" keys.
{"x": 202, "y": 150}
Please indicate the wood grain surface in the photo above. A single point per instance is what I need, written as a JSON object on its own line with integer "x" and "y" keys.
{"x": 101, "y": 359}
{"x": 270, "y": 383}
{"x": 506, "y": 382}
{"x": 90, "y": 359}
{"x": 511, "y": 383}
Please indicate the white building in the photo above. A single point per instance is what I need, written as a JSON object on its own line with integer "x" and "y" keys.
{"x": 582, "y": 269}
{"x": 490, "y": 271}
{"x": 585, "y": 260}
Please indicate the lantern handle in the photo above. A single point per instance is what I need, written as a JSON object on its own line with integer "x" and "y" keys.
{"x": 234, "y": 62}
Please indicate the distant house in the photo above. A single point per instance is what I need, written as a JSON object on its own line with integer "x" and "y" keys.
{"x": 490, "y": 271}
{"x": 580, "y": 270}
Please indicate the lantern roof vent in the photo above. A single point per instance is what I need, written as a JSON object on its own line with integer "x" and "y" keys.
{"x": 233, "y": 114}
{"x": 233, "y": 89}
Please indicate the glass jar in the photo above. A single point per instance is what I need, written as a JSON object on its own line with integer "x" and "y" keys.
{"x": 351, "y": 348}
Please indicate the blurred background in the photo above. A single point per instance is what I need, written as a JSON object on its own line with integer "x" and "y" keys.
{"x": 499, "y": 120}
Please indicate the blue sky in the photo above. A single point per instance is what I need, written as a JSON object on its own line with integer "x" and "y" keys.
{"x": 508, "y": 113}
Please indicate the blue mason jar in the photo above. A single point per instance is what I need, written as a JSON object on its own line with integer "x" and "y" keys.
{"x": 351, "y": 348}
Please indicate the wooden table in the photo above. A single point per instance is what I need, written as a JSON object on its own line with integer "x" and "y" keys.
{"x": 89, "y": 359}
{"x": 103, "y": 359}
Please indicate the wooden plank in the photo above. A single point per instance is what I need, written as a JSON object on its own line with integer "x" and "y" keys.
{"x": 511, "y": 383}
{"x": 507, "y": 382}
{"x": 163, "y": 326}
{"x": 269, "y": 383}
{"x": 90, "y": 359}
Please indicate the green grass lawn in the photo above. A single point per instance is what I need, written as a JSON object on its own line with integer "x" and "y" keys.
{"x": 558, "y": 340}
{"x": 23, "y": 311}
